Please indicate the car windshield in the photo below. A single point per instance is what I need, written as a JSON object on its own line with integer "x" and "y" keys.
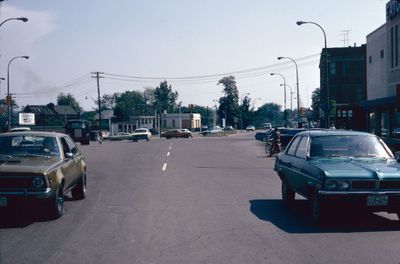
{"x": 140, "y": 131}
{"x": 28, "y": 145}
{"x": 348, "y": 146}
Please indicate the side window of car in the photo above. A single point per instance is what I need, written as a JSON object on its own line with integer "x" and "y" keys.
{"x": 292, "y": 148}
{"x": 302, "y": 148}
{"x": 71, "y": 145}
{"x": 64, "y": 146}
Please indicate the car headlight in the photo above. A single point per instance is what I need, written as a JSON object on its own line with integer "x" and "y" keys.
{"x": 331, "y": 185}
{"x": 38, "y": 182}
{"x": 343, "y": 185}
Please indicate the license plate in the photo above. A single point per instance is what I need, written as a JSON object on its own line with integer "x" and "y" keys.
{"x": 377, "y": 200}
{"x": 3, "y": 201}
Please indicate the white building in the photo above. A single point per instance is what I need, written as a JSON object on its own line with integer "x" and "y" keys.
{"x": 181, "y": 120}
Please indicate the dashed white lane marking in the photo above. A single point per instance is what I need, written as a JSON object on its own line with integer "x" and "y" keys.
{"x": 170, "y": 148}
{"x": 168, "y": 154}
{"x": 164, "y": 167}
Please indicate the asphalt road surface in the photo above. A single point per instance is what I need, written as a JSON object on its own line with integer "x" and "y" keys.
{"x": 189, "y": 201}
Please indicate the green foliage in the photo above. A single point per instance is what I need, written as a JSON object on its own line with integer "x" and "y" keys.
{"x": 129, "y": 103}
{"x": 270, "y": 113}
{"x": 68, "y": 99}
{"x": 165, "y": 98}
{"x": 316, "y": 104}
{"x": 228, "y": 104}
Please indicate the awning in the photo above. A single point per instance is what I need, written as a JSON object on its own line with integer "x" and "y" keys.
{"x": 379, "y": 103}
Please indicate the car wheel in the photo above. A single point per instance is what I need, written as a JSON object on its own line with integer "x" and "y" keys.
{"x": 287, "y": 193}
{"x": 79, "y": 191}
{"x": 168, "y": 137}
{"x": 56, "y": 204}
{"x": 147, "y": 139}
{"x": 186, "y": 136}
{"x": 317, "y": 213}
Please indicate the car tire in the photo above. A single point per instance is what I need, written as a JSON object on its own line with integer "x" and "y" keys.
{"x": 147, "y": 139}
{"x": 168, "y": 137}
{"x": 56, "y": 203}
{"x": 79, "y": 191}
{"x": 288, "y": 195}
{"x": 317, "y": 212}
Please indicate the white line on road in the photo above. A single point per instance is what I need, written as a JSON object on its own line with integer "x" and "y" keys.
{"x": 169, "y": 148}
{"x": 168, "y": 154}
{"x": 164, "y": 167}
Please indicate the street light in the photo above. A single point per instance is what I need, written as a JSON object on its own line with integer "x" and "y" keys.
{"x": 9, "y": 100}
{"x": 241, "y": 111}
{"x": 327, "y": 110}
{"x": 284, "y": 89}
{"x": 297, "y": 84}
{"x": 23, "y": 19}
{"x": 291, "y": 98}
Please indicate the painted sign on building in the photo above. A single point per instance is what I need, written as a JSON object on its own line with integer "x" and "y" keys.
{"x": 27, "y": 119}
{"x": 392, "y": 9}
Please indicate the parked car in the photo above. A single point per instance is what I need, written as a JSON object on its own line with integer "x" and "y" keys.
{"x": 228, "y": 128}
{"x": 141, "y": 133}
{"x": 40, "y": 168}
{"x": 177, "y": 133}
{"x": 288, "y": 134}
{"x": 250, "y": 128}
{"x": 121, "y": 136}
{"x": 339, "y": 169}
{"x": 212, "y": 130}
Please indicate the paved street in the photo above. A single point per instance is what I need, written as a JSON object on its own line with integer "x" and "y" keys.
{"x": 200, "y": 200}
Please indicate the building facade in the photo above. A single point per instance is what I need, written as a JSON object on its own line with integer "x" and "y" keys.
{"x": 184, "y": 120}
{"x": 347, "y": 86}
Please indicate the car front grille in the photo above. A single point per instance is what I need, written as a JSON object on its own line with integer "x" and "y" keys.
{"x": 363, "y": 185}
{"x": 389, "y": 185}
{"x": 16, "y": 182}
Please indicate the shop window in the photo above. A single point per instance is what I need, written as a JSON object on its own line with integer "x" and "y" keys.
{"x": 332, "y": 68}
{"x": 370, "y": 59}
{"x": 372, "y": 125}
{"x": 173, "y": 123}
{"x": 384, "y": 124}
{"x": 382, "y": 54}
{"x": 396, "y": 124}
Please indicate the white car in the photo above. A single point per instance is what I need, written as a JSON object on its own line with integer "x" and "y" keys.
{"x": 141, "y": 133}
{"x": 250, "y": 128}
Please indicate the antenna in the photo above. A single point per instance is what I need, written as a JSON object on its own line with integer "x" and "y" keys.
{"x": 345, "y": 39}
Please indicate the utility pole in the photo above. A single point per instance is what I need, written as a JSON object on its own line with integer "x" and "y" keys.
{"x": 97, "y": 76}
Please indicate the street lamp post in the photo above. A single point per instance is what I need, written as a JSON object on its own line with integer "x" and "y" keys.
{"x": 23, "y": 19}
{"x": 284, "y": 91}
{"x": 9, "y": 100}
{"x": 327, "y": 110}
{"x": 291, "y": 98}
{"x": 297, "y": 84}
{"x": 241, "y": 111}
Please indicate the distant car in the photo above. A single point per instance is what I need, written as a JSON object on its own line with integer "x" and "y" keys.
{"x": 213, "y": 131}
{"x": 141, "y": 133}
{"x": 250, "y": 128}
{"x": 40, "y": 168}
{"x": 177, "y": 133}
{"x": 288, "y": 134}
{"x": 339, "y": 169}
{"x": 121, "y": 136}
{"x": 228, "y": 128}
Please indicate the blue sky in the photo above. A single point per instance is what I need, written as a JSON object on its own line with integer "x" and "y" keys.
{"x": 66, "y": 40}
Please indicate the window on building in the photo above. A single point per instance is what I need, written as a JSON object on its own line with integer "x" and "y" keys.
{"x": 392, "y": 46}
{"x": 332, "y": 68}
{"x": 382, "y": 54}
{"x": 396, "y": 124}
{"x": 370, "y": 59}
{"x": 173, "y": 122}
{"x": 372, "y": 124}
{"x": 346, "y": 68}
{"x": 396, "y": 45}
{"x": 384, "y": 125}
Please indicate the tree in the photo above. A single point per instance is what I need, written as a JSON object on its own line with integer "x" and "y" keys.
{"x": 245, "y": 112}
{"x": 228, "y": 104}
{"x": 165, "y": 98}
{"x": 127, "y": 104}
{"x": 68, "y": 99}
{"x": 270, "y": 113}
{"x": 316, "y": 104}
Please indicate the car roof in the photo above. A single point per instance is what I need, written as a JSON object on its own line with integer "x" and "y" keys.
{"x": 333, "y": 132}
{"x": 34, "y": 133}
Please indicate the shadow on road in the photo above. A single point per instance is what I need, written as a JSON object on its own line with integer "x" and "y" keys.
{"x": 297, "y": 219}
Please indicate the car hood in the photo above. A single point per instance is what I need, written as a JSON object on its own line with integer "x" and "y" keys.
{"x": 29, "y": 165}
{"x": 358, "y": 168}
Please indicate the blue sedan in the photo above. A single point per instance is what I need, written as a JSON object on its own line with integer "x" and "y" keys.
{"x": 339, "y": 169}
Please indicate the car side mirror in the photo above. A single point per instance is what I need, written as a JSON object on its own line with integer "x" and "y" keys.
{"x": 69, "y": 155}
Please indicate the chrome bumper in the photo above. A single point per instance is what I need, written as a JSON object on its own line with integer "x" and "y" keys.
{"x": 358, "y": 192}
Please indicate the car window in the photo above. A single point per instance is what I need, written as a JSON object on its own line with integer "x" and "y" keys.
{"x": 71, "y": 145}
{"x": 301, "y": 151}
{"x": 292, "y": 148}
